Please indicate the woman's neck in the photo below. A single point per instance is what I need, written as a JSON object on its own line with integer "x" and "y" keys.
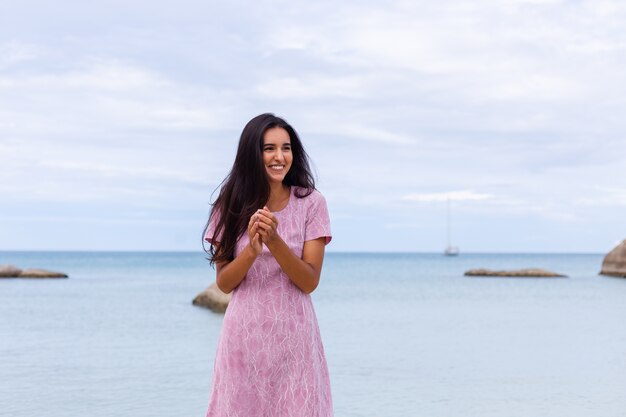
{"x": 279, "y": 193}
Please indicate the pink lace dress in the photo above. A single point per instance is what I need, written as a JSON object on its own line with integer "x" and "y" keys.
{"x": 270, "y": 359}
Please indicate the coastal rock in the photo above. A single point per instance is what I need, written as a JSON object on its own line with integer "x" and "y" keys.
{"x": 212, "y": 298}
{"x": 41, "y": 273}
{"x": 614, "y": 263}
{"x": 9, "y": 271}
{"x": 528, "y": 272}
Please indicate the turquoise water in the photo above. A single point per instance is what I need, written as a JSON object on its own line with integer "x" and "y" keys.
{"x": 405, "y": 335}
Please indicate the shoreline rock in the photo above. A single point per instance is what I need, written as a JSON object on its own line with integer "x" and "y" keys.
{"x": 526, "y": 272}
{"x": 212, "y": 298}
{"x": 11, "y": 271}
{"x": 41, "y": 273}
{"x": 614, "y": 263}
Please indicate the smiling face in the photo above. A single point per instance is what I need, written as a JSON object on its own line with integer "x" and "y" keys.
{"x": 277, "y": 156}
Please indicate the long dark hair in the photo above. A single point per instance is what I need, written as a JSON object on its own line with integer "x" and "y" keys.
{"x": 246, "y": 188}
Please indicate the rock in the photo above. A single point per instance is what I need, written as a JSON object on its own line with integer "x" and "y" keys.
{"x": 614, "y": 263}
{"x": 9, "y": 271}
{"x": 41, "y": 273}
{"x": 528, "y": 272}
{"x": 212, "y": 298}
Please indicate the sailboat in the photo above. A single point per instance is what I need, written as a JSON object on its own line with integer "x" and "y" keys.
{"x": 450, "y": 250}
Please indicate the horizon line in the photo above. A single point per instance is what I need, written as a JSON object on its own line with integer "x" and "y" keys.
{"x": 327, "y": 252}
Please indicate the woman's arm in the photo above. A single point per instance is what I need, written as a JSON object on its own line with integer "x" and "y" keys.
{"x": 230, "y": 274}
{"x": 305, "y": 272}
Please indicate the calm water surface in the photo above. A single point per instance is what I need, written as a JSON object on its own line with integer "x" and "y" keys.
{"x": 405, "y": 335}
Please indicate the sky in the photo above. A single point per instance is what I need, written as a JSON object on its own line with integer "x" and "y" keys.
{"x": 118, "y": 120}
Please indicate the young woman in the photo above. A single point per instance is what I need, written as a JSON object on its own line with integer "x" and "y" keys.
{"x": 267, "y": 230}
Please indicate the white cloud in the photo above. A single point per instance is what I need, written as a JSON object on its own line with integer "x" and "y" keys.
{"x": 93, "y": 75}
{"x": 526, "y": 52}
{"x": 605, "y": 196}
{"x": 106, "y": 94}
{"x": 535, "y": 87}
{"x": 404, "y": 226}
{"x": 463, "y": 195}
{"x": 363, "y": 132}
{"x": 14, "y": 52}
{"x": 313, "y": 87}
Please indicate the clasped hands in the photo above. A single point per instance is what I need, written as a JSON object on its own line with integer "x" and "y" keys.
{"x": 262, "y": 229}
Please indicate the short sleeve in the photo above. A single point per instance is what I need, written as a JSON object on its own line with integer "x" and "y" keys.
{"x": 317, "y": 220}
{"x": 208, "y": 236}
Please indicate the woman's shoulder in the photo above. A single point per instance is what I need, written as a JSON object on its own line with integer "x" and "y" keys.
{"x": 309, "y": 196}
{"x": 314, "y": 211}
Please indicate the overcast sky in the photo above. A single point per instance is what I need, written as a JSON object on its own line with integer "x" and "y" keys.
{"x": 118, "y": 119}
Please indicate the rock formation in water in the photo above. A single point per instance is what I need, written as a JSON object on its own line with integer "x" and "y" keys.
{"x": 528, "y": 272}
{"x": 10, "y": 271}
{"x": 213, "y": 298}
{"x": 614, "y": 263}
{"x": 41, "y": 273}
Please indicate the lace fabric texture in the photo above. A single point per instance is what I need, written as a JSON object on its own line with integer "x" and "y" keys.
{"x": 270, "y": 359}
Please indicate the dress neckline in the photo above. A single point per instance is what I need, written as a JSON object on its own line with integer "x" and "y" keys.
{"x": 288, "y": 201}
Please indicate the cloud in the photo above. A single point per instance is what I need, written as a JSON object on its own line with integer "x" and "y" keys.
{"x": 313, "y": 87}
{"x": 101, "y": 93}
{"x": 91, "y": 74}
{"x": 604, "y": 196}
{"x": 15, "y": 52}
{"x": 404, "y": 226}
{"x": 364, "y": 132}
{"x": 464, "y": 195}
{"x": 520, "y": 52}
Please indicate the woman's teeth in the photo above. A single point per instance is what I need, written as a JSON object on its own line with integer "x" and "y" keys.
{"x": 276, "y": 167}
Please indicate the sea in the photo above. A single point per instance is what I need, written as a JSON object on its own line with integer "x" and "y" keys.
{"x": 405, "y": 334}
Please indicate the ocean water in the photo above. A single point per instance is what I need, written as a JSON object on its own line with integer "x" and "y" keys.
{"x": 404, "y": 335}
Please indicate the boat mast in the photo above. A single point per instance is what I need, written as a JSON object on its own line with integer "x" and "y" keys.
{"x": 450, "y": 250}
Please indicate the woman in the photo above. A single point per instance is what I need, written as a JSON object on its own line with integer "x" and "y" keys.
{"x": 268, "y": 229}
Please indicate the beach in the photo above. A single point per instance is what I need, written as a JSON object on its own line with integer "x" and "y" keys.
{"x": 404, "y": 335}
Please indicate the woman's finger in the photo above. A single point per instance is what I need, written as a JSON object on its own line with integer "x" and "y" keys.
{"x": 267, "y": 216}
{"x": 264, "y": 226}
{"x": 253, "y": 220}
{"x": 264, "y": 218}
{"x": 254, "y": 229}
